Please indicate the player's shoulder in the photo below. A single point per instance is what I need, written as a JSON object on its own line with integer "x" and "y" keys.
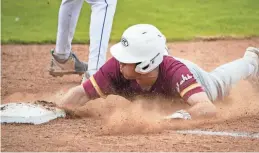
{"x": 112, "y": 65}
{"x": 168, "y": 58}
{"x": 112, "y": 62}
{"x": 170, "y": 65}
{"x": 169, "y": 61}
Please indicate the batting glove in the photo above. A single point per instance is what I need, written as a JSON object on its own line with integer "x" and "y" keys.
{"x": 181, "y": 114}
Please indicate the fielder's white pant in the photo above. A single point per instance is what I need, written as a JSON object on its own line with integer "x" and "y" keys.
{"x": 100, "y": 28}
{"x": 218, "y": 83}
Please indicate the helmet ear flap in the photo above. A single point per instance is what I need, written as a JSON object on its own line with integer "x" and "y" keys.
{"x": 148, "y": 66}
{"x": 142, "y": 67}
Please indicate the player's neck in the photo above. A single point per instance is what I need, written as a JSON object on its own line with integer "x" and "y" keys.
{"x": 147, "y": 80}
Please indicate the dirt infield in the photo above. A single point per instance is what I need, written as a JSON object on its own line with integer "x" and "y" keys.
{"x": 115, "y": 124}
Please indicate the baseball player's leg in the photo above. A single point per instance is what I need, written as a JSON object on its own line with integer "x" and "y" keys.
{"x": 67, "y": 20}
{"x": 100, "y": 28}
{"x": 218, "y": 83}
{"x": 208, "y": 82}
{"x": 63, "y": 60}
{"x": 231, "y": 73}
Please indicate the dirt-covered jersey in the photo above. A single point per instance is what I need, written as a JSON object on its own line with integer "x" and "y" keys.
{"x": 174, "y": 80}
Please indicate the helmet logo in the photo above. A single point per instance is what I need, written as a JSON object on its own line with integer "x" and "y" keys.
{"x": 124, "y": 42}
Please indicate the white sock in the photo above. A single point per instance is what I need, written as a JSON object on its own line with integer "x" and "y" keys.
{"x": 62, "y": 56}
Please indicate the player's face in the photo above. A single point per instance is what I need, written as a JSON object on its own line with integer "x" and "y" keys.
{"x": 128, "y": 71}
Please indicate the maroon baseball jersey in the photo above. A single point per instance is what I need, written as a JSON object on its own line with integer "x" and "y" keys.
{"x": 174, "y": 80}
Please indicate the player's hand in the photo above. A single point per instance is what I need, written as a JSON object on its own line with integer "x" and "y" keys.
{"x": 181, "y": 114}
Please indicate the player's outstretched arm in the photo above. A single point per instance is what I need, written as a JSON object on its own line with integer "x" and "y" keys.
{"x": 74, "y": 98}
{"x": 201, "y": 106}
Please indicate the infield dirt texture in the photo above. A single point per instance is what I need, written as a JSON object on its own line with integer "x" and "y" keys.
{"x": 115, "y": 124}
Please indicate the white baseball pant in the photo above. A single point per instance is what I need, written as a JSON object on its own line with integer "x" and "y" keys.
{"x": 218, "y": 83}
{"x": 100, "y": 28}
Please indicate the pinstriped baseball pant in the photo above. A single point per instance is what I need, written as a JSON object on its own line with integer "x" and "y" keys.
{"x": 102, "y": 13}
{"x": 218, "y": 82}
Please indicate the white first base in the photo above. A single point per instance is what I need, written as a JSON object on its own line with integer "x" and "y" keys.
{"x": 28, "y": 113}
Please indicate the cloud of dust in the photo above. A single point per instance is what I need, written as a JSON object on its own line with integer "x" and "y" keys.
{"x": 133, "y": 119}
{"x": 144, "y": 115}
{"x": 242, "y": 101}
{"x": 120, "y": 116}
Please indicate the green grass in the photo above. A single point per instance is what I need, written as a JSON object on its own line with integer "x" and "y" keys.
{"x": 177, "y": 19}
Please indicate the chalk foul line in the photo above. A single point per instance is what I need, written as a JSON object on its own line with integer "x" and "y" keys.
{"x": 220, "y": 133}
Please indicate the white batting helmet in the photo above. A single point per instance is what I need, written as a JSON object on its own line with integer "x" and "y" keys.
{"x": 143, "y": 44}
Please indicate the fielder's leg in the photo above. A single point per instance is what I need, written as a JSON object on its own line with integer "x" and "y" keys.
{"x": 63, "y": 60}
{"x": 67, "y": 20}
{"x": 100, "y": 28}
